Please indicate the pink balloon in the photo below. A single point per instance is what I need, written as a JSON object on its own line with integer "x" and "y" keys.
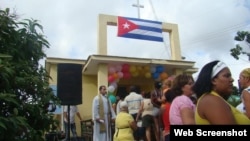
{"x": 111, "y": 70}
{"x": 118, "y": 68}
{"x": 120, "y": 74}
{"x": 111, "y": 78}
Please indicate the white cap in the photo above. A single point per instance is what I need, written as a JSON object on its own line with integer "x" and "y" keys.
{"x": 123, "y": 104}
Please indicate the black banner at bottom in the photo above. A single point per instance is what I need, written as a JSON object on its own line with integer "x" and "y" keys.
{"x": 180, "y": 132}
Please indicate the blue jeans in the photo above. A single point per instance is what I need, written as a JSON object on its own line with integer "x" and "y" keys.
{"x": 73, "y": 130}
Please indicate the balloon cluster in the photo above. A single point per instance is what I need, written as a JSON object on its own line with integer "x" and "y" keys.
{"x": 158, "y": 72}
{"x": 127, "y": 71}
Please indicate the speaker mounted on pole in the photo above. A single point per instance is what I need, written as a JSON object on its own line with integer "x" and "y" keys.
{"x": 69, "y": 83}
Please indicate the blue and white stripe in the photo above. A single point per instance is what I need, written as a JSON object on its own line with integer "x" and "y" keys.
{"x": 147, "y": 30}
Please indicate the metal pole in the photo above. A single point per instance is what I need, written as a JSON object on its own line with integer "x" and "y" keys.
{"x": 68, "y": 122}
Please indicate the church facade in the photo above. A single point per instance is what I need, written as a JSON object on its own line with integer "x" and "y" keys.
{"x": 117, "y": 71}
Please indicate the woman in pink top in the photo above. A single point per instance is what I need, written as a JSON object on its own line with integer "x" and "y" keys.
{"x": 182, "y": 108}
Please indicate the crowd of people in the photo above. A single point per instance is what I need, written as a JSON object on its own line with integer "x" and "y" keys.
{"x": 146, "y": 116}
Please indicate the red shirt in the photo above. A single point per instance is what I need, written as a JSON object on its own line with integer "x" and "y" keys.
{"x": 165, "y": 118}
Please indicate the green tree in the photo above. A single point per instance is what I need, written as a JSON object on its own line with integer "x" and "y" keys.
{"x": 242, "y": 36}
{"x": 24, "y": 84}
{"x": 234, "y": 99}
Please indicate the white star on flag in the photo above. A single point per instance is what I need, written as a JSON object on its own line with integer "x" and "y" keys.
{"x": 126, "y": 25}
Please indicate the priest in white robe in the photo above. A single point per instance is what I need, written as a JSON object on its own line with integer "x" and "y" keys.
{"x": 102, "y": 115}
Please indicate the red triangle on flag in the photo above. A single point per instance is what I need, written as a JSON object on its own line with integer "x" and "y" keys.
{"x": 125, "y": 26}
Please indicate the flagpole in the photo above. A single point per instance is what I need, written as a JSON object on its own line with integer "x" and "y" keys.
{"x": 138, "y": 7}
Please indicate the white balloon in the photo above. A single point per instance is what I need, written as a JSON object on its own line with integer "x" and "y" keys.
{"x": 111, "y": 88}
{"x": 114, "y": 84}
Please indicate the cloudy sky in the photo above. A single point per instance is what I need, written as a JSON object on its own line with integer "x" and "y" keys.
{"x": 206, "y": 27}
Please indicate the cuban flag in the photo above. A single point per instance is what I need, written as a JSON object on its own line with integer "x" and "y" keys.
{"x": 140, "y": 29}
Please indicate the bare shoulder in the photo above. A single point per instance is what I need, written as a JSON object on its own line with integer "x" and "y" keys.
{"x": 246, "y": 94}
{"x": 210, "y": 103}
{"x": 211, "y": 100}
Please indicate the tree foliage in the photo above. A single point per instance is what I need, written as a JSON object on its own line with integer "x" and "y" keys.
{"x": 242, "y": 36}
{"x": 24, "y": 84}
{"x": 234, "y": 98}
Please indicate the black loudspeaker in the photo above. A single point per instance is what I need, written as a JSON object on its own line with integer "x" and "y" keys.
{"x": 69, "y": 83}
